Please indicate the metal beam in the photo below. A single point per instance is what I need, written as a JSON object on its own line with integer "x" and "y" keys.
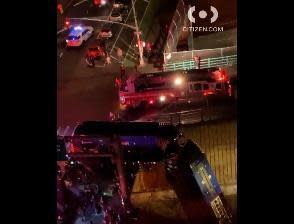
{"x": 105, "y": 21}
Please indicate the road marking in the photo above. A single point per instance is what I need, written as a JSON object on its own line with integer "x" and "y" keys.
{"x": 131, "y": 55}
{"x": 60, "y": 31}
{"x": 139, "y": 27}
{"x": 114, "y": 58}
{"x": 121, "y": 29}
{"x": 100, "y": 66}
{"x": 128, "y": 45}
{"x": 68, "y": 4}
{"x": 80, "y": 2}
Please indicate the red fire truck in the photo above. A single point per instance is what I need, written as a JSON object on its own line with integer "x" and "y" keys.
{"x": 164, "y": 87}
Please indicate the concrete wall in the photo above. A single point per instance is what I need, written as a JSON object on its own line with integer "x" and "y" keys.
{"x": 226, "y": 38}
{"x": 219, "y": 142}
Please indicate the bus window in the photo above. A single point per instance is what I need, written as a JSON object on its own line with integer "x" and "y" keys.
{"x": 191, "y": 87}
{"x": 197, "y": 86}
{"x": 205, "y": 86}
{"x": 218, "y": 86}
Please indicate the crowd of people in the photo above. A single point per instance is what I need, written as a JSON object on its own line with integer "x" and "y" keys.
{"x": 86, "y": 201}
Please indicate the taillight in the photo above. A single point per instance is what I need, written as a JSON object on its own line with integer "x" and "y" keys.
{"x": 208, "y": 93}
{"x": 122, "y": 100}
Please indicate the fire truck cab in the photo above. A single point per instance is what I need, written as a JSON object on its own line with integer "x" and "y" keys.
{"x": 164, "y": 87}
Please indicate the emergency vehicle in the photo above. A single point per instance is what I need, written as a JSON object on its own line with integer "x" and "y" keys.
{"x": 79, "y": 35}
{"x": 165, "y": 87}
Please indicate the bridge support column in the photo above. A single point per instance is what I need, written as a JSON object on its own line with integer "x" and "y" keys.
{"x": 118, "y": 157}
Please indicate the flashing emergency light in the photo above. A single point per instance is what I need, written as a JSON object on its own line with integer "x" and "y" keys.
{"x": 78, "y": 28}
{"x": 162, "y": 98}
{"x": 178, "y": 81}
{"x": 60, "y": 8}
{"x": 122, "y": 99}
{"x": 168, "y": 56}
{"x": 97, "y": 2}
{"x": 67, "y": 22}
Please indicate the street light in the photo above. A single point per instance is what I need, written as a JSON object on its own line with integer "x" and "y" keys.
{"x": 140, "y": 46}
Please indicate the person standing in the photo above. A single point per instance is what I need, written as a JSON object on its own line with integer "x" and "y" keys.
{"x": 107, "y": 60}
{"x": 197, "y": 60}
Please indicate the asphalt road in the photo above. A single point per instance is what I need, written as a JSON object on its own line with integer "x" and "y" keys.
{"x": 85, "y": 93}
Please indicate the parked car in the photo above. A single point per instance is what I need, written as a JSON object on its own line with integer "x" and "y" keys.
{"x": 121, "y": 4}
{"x": 115, "y": 16}
{"x": 95, "y": 52}
{"x": 104, "y": 33}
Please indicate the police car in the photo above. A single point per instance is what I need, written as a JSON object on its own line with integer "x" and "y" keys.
{"x": 79, "y": 35}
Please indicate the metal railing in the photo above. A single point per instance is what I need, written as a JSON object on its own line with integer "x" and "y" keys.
{"x": 197, "y": 115}
{"x": 175, "y": 57}
{"x": 204, "y": 63}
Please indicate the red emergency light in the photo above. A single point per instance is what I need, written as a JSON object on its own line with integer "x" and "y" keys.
{"x": 60, "y": 8}
{"x": 208, "y": 93}
{"x": 67, "y": 23}
{"x": 151, "y": 101}
{"x": 97, "y": 2}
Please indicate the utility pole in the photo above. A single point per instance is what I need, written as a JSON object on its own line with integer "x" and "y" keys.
{"x": 138, "y": 36}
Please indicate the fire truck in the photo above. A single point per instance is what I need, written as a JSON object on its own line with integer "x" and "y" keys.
{"x": 164, "y": 87}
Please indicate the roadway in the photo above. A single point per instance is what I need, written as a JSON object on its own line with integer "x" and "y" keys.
{"x": 85, "y": 93}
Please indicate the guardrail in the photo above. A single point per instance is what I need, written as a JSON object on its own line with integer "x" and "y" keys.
{"x": 179, "y": 56}
{"x": 204, "y": 63}
{"x": 197, "y": 116}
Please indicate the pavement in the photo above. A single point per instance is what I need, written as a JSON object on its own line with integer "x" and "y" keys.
{"x": 157, "y": 200}
{"x": 85, "y": 93}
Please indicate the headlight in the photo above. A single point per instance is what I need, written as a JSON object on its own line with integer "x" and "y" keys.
{"x": 178, "y": 81}
{"x": 162, "y": 98}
